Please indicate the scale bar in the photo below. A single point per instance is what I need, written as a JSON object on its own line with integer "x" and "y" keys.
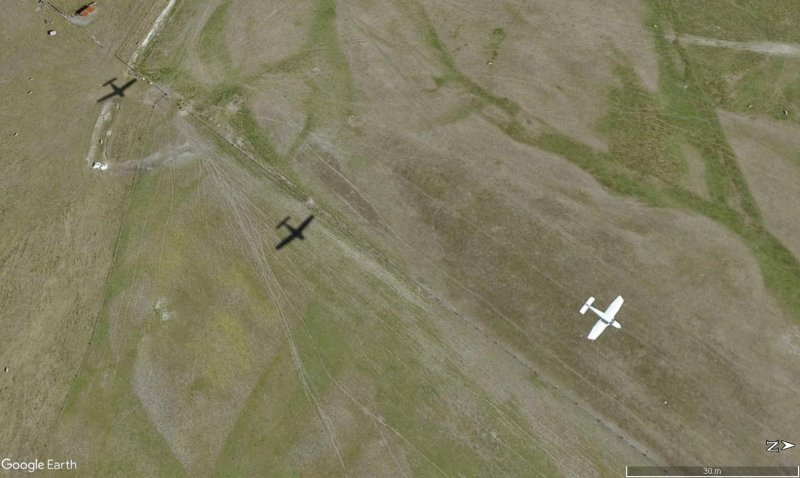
{"x": 707, "y": 471}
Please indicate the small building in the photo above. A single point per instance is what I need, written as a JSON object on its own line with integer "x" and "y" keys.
{"x": 86, "y": 10}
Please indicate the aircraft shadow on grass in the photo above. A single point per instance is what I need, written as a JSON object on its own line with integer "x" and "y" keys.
{"x": 118, "y": 90}
{"x": 295, "y": 233}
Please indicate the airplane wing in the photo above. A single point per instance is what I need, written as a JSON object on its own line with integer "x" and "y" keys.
{"x": 612, "y": 309}
{"x": 110, "y": 95}
{"x": 126, "y": 85}
{"x": 598, "y": 329}
{"x": 305, "y": 223}
{"x": 286, "y": 241}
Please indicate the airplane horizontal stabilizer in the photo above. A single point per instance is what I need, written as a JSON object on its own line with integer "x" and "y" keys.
{"x": 586, "y": 305}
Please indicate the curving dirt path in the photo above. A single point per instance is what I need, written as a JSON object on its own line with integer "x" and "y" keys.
{"x": 100, "y": 127}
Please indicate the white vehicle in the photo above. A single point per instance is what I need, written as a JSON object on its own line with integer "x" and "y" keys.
{"x": 606, "y": 317}
{"x": 99, "y": 166}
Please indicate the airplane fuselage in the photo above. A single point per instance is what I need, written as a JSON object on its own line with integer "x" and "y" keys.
{"x": 605, "y": 317}
{"x": 294, "y": 232}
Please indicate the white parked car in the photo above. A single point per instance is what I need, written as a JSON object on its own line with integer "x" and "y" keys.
{"x": 99, "y": 165}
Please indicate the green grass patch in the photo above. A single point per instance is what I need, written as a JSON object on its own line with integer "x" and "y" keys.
{"x": 322, "y": 343}
{"x": 742, "y": 20}
{"x": 781, "y": 270}
{"x": 211, "y": 45}
{"x": 647, "y": 131}
{"x": 332, "y": 91}
{"x": 171, "y": 34}
{"x": 102, "y": 404}
{"x": 246, "y": 124}
{"x": 496, "y": 40}
{"x": 272, "y": 423}
{"x": 224, "y": 93}
{"x": 642, "y": 139}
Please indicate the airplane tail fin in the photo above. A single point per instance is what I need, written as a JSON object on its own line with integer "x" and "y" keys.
{"x": 283, "y": 223}
{"x": 587, "y": 304}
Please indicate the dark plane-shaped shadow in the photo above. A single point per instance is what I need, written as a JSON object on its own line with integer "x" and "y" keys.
{"x": 118, "y": 90}
{"x": 295, "y": 233}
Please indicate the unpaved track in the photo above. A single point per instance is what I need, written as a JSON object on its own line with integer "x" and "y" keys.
{"x": 764, "y": 48}
{"x": 150, "y": 34}
{"x": 103, "y": 120}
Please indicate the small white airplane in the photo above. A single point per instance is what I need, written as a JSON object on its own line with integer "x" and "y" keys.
{"x": 606, "y": 317}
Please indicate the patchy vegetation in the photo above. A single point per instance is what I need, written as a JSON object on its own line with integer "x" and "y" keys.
{"x": 428, "y": 325}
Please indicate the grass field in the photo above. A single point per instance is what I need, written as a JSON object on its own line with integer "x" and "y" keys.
{"x": 477, "y": 169}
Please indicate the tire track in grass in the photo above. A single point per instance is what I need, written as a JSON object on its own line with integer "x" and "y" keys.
{"x": 244, "y": 201}
{"x": 469, "y": 322}
{"x": 790, "y": 50}
{"x": 106, "y": 287}
{"x": 249, "y": 232}
{"x": 322, "y": 267}
{"x": 562, "y": 287}
{"x": 273, "y": 293}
